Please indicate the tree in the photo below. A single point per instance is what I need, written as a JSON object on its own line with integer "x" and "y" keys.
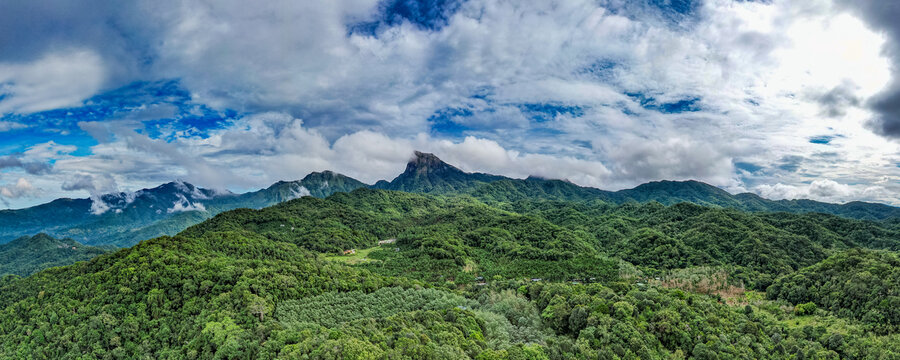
{"x": 258, "y": 306}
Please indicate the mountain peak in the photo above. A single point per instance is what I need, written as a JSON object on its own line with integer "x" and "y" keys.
{"x": 426, "y": 172}
{"x": 40, "y": 241}
{"x": 425, "y": 159}
{"x": 322, "y": 175}
{"x": 424, "y": 163}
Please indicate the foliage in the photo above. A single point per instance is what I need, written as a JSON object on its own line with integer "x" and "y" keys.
{"x": 529, "y": 279}
{"x": 27, "y": 255}
{"x": 856, "y": 283}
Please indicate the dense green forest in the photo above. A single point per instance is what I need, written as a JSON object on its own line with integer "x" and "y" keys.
{"x": 856, "y": 283}
{"x": 27, "y": 255}
{"x": 439, "y": 236}
{"x": 464, "y": 277}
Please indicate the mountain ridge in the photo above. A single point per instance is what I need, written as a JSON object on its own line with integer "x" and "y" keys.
{"x": 125, "y": 218}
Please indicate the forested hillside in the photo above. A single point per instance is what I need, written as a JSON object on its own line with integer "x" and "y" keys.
{"x": 27, "y": 255}
{"x": 438, "y": 236}
{"x": 856, "y": 283}
{"x": 453, "y": 277}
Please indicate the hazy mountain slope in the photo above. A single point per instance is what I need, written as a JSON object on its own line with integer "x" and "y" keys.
{"x": 27, "y": 255}
{"x": 317, "y": 184}
{"x": 59, "y": 213}
{"x": 127, "y": 218}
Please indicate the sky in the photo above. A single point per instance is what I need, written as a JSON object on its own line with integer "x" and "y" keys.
{"x": 785, "y": 99}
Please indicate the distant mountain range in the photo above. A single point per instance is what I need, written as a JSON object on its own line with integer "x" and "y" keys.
{"x": 123, "y": 219}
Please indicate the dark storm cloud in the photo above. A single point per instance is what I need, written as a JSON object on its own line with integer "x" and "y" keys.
{"x": 29, "y": 29}
{"x": 835, "y": 102}
{"x": 34, "y": 168}
{"x": 883, "y": 15}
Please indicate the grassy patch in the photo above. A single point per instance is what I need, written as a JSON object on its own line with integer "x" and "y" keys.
{"x": 361, "y": 256}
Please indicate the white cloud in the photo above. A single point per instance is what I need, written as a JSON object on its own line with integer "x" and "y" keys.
{"x": 21, "y": 188}
{"x": 824, "y": 190}
{"x": 299, "y": 192}
{"x": 183, "y": 204}
{"x": 11, "y": 125}
{"x": 48, "y": 150}
{"x": 56, "y": 80}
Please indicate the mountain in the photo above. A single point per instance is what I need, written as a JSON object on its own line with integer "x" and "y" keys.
{"x": 512, "y": 190}
{"x": 96, "y": 220}
{"x": 673, "y": 192}
{"x": 316, "y": 184}
{"x": 426, "y": 173}
{"x": 27, "y": 255}
{"x": 123, "y": 219}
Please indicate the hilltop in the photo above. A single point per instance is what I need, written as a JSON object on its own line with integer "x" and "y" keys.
{"x": 27, "y": 255}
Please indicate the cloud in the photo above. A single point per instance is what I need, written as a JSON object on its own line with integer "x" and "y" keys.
{"x": 275, "y": 146}
{"x": 90, "y": 182}
{"x": 883, "y": 15}
{"x": 48, "y": 150}
{"x": 123, "y": 135}
{"x": 11, "y": 125}
{"x": 300, "y": 192}
{"x": 823, "y": 190}
{"x": 22, "y": 188}
{"x": 183, "y": 204}
{"x": 33, "y": 168}
{"x": 607, "y": 94}
{"x": 58, "y": 79}
{"x": 96, "y": 185}
{"x": 836, "y": 101}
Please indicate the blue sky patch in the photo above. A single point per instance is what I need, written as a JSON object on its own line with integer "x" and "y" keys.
{"x": 539, "y": 113}
{"x": 162, "y": 106}
{"x": 545, "y": 131}
{"x": 583, "y": 143}
{"x": 748, "y": 167}
{"x": 442, "y": 121}
{"x": 822, "y": 139}
{"x": 648, "y": 102}
{"x": 429, "y": 15}
{"x": 681, "y": 7}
